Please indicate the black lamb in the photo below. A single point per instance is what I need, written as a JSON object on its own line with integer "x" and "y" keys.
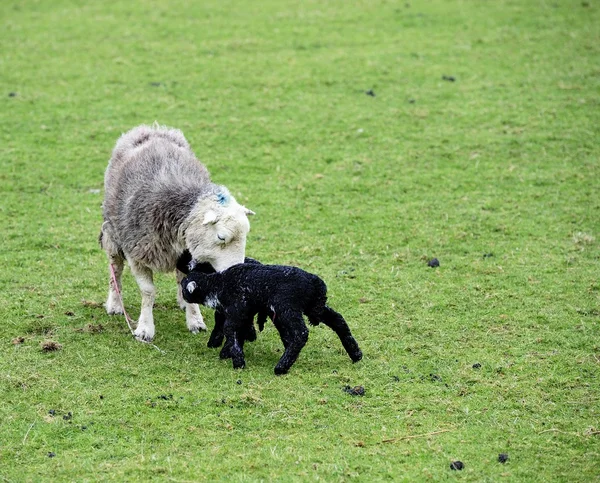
{"x": 284, "y": 293}
{"x": 185, "y": 264}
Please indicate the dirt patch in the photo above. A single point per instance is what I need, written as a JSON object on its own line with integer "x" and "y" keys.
{"x": 91, "y": 303}
{"x": 50, "y": 346}
{"x": 18, "y": 340}
{"x": 355, "y": 391}
{"x": 91, "y": 329}
{"x": 457, "y": 465}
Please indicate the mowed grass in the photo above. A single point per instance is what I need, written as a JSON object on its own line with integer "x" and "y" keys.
{"x": 495, "y": 173}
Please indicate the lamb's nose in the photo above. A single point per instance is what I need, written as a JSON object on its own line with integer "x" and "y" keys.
{"x": 191, "y": 287}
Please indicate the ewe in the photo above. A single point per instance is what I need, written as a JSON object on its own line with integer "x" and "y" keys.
{"x": 158, "y": 202}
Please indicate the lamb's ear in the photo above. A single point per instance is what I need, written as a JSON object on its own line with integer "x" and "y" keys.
{"x": 248, "y": 212}
{"x": 210, "y": 217}
{"x": 191, "y": 287}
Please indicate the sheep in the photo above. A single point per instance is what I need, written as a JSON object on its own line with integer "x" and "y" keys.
{"x": 284, "y": 293}
{"x": 159, "y": 201}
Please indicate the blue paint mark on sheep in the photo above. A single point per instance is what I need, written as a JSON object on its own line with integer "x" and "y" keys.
{"x": 222, "y": 198}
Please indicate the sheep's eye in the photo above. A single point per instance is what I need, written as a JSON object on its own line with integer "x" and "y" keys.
{"x": 220, "y": 237}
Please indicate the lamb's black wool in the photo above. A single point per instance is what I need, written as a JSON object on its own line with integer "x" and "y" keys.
{"x": 284, "y": 293}
{"x": 185, "y": 264}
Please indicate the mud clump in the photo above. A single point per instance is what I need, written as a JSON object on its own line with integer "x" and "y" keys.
{"x": 355, "y": 391}
{"x": 457, "y": 465}
{"x": 502, "y": 458}
{"x": 433, "y": 263}
{"x": 50, "y": 346}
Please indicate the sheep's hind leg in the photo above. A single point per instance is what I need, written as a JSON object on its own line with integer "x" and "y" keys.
{"x": 143, "y": 276}
{"x": 296, "y": 336}
{"x": 113, "y": 302}
{"x": 193, "y": 316}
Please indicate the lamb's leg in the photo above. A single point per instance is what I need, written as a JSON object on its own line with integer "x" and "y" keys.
{"x": 245, "y": 332}
{"x": 333, "y": 319}
{"x": 193, "y": 317}
{"x": 216, "y": 336}
{"x": 143, "y": 277}
{"x": 235, "y": 349}
{"x": 296, "y": 334}
{"x": 113, "y": 302}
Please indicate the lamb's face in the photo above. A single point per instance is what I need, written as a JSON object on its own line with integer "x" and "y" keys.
{"x": 193, "y": 288}
{"x": 218, "y": 234}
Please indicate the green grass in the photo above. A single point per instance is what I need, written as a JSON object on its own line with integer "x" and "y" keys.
{"x": 362, "y": 190}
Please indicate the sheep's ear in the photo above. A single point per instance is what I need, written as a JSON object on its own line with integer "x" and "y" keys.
{"x": 210, "y": 217}
{"x": 248, "y": 212}
{"x": 191, "y": 287}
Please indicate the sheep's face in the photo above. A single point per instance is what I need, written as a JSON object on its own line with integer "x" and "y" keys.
{"x": 217, "y": 234}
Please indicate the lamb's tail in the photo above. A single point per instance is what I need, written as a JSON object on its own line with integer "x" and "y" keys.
{"x": 333, "y": 319}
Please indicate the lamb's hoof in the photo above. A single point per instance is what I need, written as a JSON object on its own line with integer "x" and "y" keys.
{"x": 214, "y": 343}
{"x": 280, "y": 370}
{"x": 225, "y": 353}
{"x": 357, "y": 356}
{"x": 239, "y": 365}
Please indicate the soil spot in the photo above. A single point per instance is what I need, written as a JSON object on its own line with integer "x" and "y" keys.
{"x": 477, "y": 365}
{"x": 355, "y": 391}
{"x": 433, "y": 263}
{"x": 50, "y": 346}
{"x": 370, "y": 93}
{"x": 68, "y": 416}
{"x": 52, "y": 412}
{"x": 68, "y": 313}
{"x": 449, "y": 78}
{"x": 457, "y": 465}
{"x": 51, "y": 454}
{"x": 502, "y": 458}
{"x": 91, "y": 303}
{"x": 18, "y": 340}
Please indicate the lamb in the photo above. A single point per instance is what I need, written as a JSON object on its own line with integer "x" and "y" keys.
{"x": 159, "y": 201}
{"x": 186, "y": 264}
{"x": 284, "y": 293}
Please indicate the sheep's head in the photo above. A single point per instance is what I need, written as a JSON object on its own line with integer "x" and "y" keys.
{"x": 217, "y": 231}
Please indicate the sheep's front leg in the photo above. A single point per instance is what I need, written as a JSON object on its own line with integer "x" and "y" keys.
{"x": 143, "y": 277}
{"x": 295, "y": 333}
{"x": 193, "y": 316}
{"x": 113, "y": 302}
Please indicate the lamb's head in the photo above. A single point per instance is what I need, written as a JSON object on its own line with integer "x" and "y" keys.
{"x": 217, "y": 230}
{"x": 195, "y": 287}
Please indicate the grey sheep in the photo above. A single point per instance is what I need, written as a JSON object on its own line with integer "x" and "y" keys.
{"x": 159, "y": 201}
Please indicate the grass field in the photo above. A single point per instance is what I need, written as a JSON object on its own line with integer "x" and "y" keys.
{"x": 479, "y": 147}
